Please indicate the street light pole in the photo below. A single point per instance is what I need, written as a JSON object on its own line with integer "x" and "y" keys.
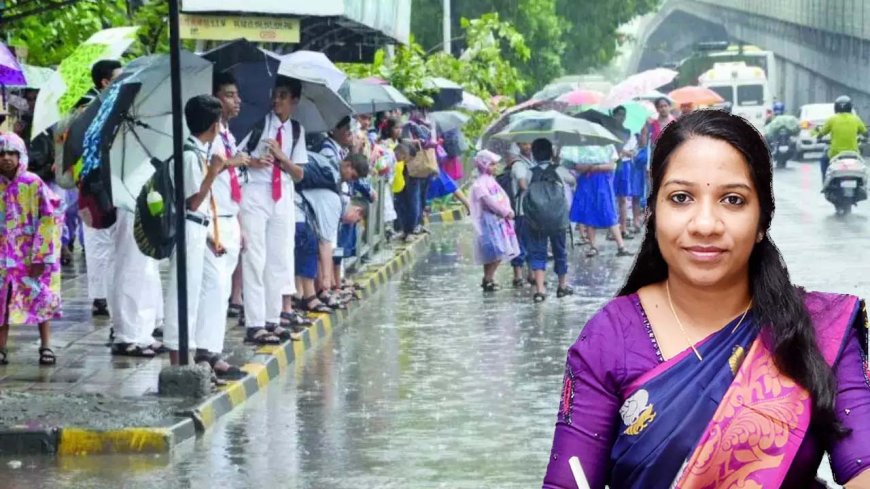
{"x": 178, "y": 161}
{"x": 447, "y": 27}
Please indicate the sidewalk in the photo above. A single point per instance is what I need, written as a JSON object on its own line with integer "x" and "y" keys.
{"x": 92, "y": 402}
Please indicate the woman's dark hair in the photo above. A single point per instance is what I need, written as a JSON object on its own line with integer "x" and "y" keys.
{"x": 390, "y": 123}
{"x": 662, "y": 99}
{"x": 776, "y": 303}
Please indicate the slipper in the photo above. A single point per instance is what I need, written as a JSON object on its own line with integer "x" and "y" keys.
{"x": 320, "y": 308}
{"x": 231, "y": 373}
{"x": 4, "y": 360}
{"x": 235, "y": 311}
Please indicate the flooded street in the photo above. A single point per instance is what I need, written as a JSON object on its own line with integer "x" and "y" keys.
{"x": 433, "y": 384}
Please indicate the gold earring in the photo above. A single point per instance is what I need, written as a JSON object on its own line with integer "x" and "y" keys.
{"x": 760, "y": 238}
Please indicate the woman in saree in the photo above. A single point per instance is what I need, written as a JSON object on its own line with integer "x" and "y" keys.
{"x": 710, "y": 369}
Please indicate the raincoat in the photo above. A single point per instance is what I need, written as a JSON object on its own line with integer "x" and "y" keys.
{"x": 31, "y": 232}
{"x": 496, "y": 238}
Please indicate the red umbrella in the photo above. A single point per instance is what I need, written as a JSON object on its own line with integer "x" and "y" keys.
{"x": 695, "y": 96}
{"x": 581, "y": 97}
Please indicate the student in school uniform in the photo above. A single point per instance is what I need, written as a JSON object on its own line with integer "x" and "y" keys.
{"x": 218, "y": 268}
{"x": 268, "y": 214}
{"x": 201, "y": 169}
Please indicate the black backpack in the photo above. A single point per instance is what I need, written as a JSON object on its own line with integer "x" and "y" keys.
{"x": 155, "y": 233}
{"x": 544, "y": 205}
{"x": 506, "y": 181}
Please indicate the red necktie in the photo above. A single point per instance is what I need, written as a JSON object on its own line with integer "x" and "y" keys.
{"x": 235, "y": 188}
{"x": 276, "y": 169}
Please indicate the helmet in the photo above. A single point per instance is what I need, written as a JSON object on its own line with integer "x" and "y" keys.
{"x": 843, "y": 104}
{"x": 778, "y": 108}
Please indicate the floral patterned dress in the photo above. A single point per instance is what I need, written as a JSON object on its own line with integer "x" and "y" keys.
{"x": 32, "y": 218}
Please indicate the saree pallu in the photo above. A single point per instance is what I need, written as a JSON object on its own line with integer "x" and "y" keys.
{"x": 731, "y": 420}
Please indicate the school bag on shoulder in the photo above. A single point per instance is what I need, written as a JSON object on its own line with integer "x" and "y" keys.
{"x": 506, "y": 181}
{"x": 257, "y": 134}
{"x": 544, "y": 204}
{"x": 156, "y": 215}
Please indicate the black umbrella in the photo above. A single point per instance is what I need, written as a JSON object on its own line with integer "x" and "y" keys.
{"x": 448, "y": 94}
{"x": 607, "y": 121}
{"x": 370, "y": 98}
{"x": 255, "y": 71}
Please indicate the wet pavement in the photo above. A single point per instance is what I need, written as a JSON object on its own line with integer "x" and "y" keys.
{"x": 435, "y": 385}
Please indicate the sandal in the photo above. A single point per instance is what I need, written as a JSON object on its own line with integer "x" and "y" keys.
{"x": 260, "y": 336}
{"x": 235, "y": 311}
{"x": 132, "y": 350}
{"x": 489, "y": 286}
{"x": 4, "y": 360}
{"x": 294, "y": 319}
{"x": 624, "y": 252}
{"x": 564, "y": 292}
{"x": 100, "y": 308}
{"x": 157, "y": 333}
{"x": 158, "y": 348}
{"x": 518, "y": 283}
{"x": 320, "y": 308}
{"x": 230, "y": 373}
{"x": 539, "y": 297}
{"x": 593, "y": 252}
{"x": 627, "y": 236}
{"x": 294, "y": 332}
{"x": 331, "y": 301}
{"x": 47, "y": 356}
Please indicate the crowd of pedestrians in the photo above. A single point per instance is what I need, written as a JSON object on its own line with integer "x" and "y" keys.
{"x": 270, "y": 221}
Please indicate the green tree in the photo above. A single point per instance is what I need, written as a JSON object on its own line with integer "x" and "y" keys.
{"x": 51, "y": 35}
{"x": 591, "y": 35}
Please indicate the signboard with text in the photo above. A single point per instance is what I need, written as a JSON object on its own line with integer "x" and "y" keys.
{"x": 229, "y": 27}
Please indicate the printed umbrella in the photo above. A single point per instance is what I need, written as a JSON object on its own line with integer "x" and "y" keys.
{"x": 321, "y": 107}
{"x": 695, "y": 96}
{"x": 472, "y": 103}
{"x": 581, "y": 97}
{"x": 10, "y": 70}
{"x": 368, "y": 98}
{"x": 73, "y": 78}
{"x": 638, "y": 85}
{"x": 448, "y": 94}
{"x": 134, "y": 122}
{"x": 448, "y": 120}
{"x": 557, "y": 127}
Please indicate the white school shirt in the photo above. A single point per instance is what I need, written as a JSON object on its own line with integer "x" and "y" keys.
{"x": 221, "y": 187}
{"x": 270, "y": 130}
{"x": 194, "y": 174}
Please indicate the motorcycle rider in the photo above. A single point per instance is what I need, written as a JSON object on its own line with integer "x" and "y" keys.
{"x": 779, "y": 122}
{"x": 844, "y": 128}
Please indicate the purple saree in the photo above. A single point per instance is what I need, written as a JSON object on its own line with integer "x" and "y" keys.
{"x": 732, "y": 420}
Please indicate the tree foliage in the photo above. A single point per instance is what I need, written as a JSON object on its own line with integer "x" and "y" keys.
{"x": 51, "y": 35}
{"x": 564, "y": 35}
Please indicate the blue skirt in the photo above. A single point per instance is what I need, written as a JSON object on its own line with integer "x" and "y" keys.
{"x": 622, "y": 179}
{"x": 594, "y": 202}
{"x": 441, "y": 185}
{"x": 638, "y": 175}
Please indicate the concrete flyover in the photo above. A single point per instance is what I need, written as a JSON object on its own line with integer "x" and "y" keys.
{"x": 822, "y": 47}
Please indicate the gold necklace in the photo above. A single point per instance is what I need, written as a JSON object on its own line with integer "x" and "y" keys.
{"x": 683, "y": 329}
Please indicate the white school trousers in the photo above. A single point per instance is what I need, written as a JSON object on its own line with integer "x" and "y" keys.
{"x": 269, "y": 228}
{"x": 217, "y": 285}
{"x": 99, "y": 259}
{"x": 196, "y": 235}
{"x": 136, "y": 297}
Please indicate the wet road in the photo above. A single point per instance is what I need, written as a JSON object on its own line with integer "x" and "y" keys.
{"x": 433, "y": 385}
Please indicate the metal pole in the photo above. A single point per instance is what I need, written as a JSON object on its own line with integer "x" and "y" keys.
{"x": 447, "y": 27}
{"x": 177, "y": 158}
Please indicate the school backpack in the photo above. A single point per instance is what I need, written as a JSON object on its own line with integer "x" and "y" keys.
{"x": 454, "y": 143}
{"x": 257, "y": 134}
{"x": 544, "y": 205}
{"x": 506, "y": 181}
{"x": 156, "y": 215}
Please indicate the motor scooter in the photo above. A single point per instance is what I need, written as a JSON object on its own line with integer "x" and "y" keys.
{"x": 846, "y": 181}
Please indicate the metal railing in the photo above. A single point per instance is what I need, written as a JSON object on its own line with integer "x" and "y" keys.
{"x": 371, "y": 231}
